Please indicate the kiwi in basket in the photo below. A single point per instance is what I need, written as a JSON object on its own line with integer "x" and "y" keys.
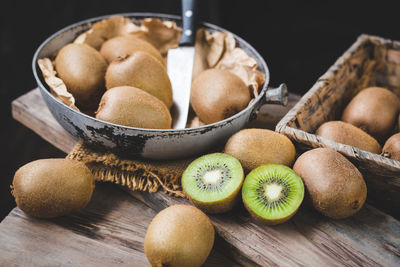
{"x": 82, "y": 69}
{"x": 125, "y": 45}
{"x": 212, "y": 182}
{"x": 143, "y": 71}
{"x": 374, "y": 110}
{"x": 218, "y": 94}
{"x": 348, "y": 134}
{"x": 334, "y": 185}
{"x": 256, "y": 147}
{"x": 49, "y": 188}
{"x": 130, "y": 106}
{"x": 180, "y": 235}
{"x": 391, "y": 149}
{"x": 272, "y": 193}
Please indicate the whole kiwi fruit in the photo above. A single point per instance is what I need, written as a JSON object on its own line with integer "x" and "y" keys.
{"x": 125, "y": 45}
{"x": 180, "y": 235}
{"x": 391, "y": 149}
{"x": 374, "y": 110}
{"x": 82, "y": 69}
{"x": 218, "y": 94}
{"x": 334, "y": 185}
{"x": 256, "y": 147}
{"x": 130, "y": 106}
{"x": 143, "y": 71}
{"x": 212, "y": 182}
{"x": 348, "y": 134}
{"x": 48, "y": 188}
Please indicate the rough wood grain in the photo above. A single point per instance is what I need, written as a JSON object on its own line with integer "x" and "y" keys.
{"x": 371, "y": 238}
{"x": 370, "y": 61}
{"x": 110, "y": 231}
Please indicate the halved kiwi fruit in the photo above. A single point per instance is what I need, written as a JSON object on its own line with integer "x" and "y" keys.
{"x": 212, "y": 182}
{"x": 272, "y": 193}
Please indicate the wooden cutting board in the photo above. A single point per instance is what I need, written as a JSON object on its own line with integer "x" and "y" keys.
{"x": 111, "y": 229}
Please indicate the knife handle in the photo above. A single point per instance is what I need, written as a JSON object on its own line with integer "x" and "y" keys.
{"x": 189, "y": 22}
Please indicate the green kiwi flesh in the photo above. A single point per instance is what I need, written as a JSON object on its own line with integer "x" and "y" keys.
{"x": 213, "y": 181}
{"x": 272, "y": 193}
{"x": 180, "y": 235}
{"x": 48, "y": 188}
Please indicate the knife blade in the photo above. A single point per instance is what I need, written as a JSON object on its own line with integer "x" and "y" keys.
{"x": 180, "y": 65}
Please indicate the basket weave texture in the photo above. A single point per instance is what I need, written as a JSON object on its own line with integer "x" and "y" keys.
{"x": 370, "y": 61}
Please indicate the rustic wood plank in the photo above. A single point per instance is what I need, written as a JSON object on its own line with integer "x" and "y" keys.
{"x": 110, "y": 231}
{"x": 370, "y": 238}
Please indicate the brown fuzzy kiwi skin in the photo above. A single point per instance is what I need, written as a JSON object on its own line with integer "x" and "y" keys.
{"x": 218, "y": 94}
{"x": 264, "y": 221}
{"x": 143, "y": 71}
{"x": 374, "y": 110}
{"x": 130, "y": 106}
{"x": 348, "y": 134}
{"x": 125, "y": 45}
{"x": 220, "y": 206}
{"x": 256, "y": 147}
{"x": 333, "y": 184}
{"x": 391, "y": 149}
{"x": 49, "y": 188}
{"x": 180, "y": 235}
{"x": 82, "y": 68}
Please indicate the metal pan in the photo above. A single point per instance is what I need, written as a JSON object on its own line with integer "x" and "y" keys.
{"x": 149, "y": 143}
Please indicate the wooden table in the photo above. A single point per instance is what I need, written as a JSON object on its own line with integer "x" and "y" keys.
{"x": 111, "y": 229}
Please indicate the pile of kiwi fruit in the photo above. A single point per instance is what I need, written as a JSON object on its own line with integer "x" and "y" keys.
{"x": 257, "y": 167}
{"x": 370, "y": 122}
{"x": 125, "y": 82}
{"x": 258, "y": 162}
{"x": 127, "y": 61}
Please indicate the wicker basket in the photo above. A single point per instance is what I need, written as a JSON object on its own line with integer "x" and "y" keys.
{"x": 369, "y": 61}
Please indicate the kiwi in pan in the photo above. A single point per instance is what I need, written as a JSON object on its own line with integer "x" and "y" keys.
{"x": 125, "y": 45}
{"x": 256, "y": 147}
{"x": 374, "y": 110}
{"x": 334, "y": 185}
{"x": 48, "y": 188}
{"x": 348, "y": 134}
{"x": 142, "y": 71}
{"x": 212, "y": 182}
{"x": 272, "y": 193}
{"x": 391, "y": 149}
{"x": 180, "y": 235}
{"x": 218, "y": 94}
{"x": 130, "y": 106}
{"x": 82, "y": 69}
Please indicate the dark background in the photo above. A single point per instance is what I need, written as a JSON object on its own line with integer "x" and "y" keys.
{"x": 298, "y": 39}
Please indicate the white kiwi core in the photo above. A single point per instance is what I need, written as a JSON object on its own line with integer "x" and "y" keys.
{"x": 212, "y": 177}
{"x": 273, "y": 191}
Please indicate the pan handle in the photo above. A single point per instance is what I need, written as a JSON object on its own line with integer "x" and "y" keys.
{"x": 278, "y": 95}
{"x": 274, "y": 95}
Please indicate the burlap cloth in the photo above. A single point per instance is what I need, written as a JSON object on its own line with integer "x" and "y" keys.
{"x": 135, "y": 174}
